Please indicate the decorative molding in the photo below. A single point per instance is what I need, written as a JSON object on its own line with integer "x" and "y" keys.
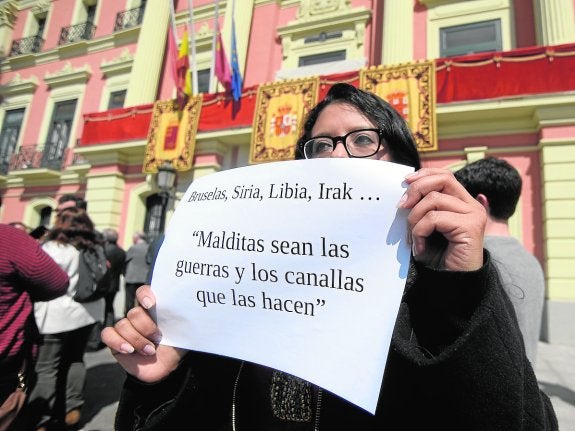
{"x": 17, "y": 85}
{"x": 119, "y": 65}
{"x": 68, "y": 75}
{"x": 41, "y": 8}
{"x": 8, "y": 14}
{"x": 309, "y": 9}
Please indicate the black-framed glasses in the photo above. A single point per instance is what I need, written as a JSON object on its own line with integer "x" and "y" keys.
{"x": 358, "y": 143}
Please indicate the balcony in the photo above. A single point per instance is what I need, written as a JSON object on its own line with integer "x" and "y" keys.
{"x": 27, "y": 45}
{"x": 48, "y": 157}
{"x": 75, "y": 33}
{"x": 129, "y": 18}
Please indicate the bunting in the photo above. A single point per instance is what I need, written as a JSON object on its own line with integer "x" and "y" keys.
{"x": 410, "y": 89}
{"x": 172, "y": 135}
{"x": 280, "y": 111}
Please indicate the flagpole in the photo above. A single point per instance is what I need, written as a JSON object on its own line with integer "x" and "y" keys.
{"x": 192, "y": 40}
{"x": 216, "y": 27}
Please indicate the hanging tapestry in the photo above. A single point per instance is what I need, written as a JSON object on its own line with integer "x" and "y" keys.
{"x": 172, "y": 135}
{"x": 279, "y": 114}
{"x": 410, "y": 89}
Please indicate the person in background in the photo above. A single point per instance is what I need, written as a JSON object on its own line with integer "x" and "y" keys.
{"x": 136, "y": 268}
{"x": 117, "y": 259}
{"x": 27, "y": 275}
{"x": 497, "y": 187}
{"x": 65, "y": 325}
{"x": 456, "y": 360}
{"x": 70, "y": 200}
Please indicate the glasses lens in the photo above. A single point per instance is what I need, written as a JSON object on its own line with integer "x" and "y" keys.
{"x": 362, "y": 143}
{"x": 318, "y": 147}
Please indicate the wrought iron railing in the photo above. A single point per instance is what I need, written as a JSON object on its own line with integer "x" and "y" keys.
{"x": 75, "y": 33}
{"x": 38, "y": 156}
{"x": 129, "y": 18}
{"x": 26, "y": 45}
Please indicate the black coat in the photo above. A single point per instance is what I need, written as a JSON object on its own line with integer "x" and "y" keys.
{"x": 456, "y": 362}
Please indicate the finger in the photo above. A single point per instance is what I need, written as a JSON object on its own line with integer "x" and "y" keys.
{"x": 133, "y": 336}
{"x": 115, "y": 341}
{"x": 425, "y": 181}
{"x": 145, "y": 296}
{"x": 436, "y": 201}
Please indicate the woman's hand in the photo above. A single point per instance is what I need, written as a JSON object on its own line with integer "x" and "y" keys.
{"x": 446, "y": 222}
{"x": 134, "y": 342}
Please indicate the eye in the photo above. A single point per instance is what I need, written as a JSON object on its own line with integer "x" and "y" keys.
{"x": 363, "y": 138}
{"x": 321, "y": 145}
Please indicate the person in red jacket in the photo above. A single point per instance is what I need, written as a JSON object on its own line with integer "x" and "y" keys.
{"x": 27, "y": 275}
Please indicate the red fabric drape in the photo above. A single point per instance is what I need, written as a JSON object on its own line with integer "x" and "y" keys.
{"x": 116, "y": 125}
{"x": 523, "y": 71}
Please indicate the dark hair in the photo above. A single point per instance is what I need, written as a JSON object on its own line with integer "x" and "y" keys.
{"x": 497, "y": 180}
{"x": 78, "y": 201}
{"x": 395, "y": 130}
{"x": 73, "y": 226}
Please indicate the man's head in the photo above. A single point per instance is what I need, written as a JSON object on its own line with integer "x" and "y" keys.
{"x": 494, "y": 183}
{"x": 110, "y": 235}
{"x": 71, "y": 201}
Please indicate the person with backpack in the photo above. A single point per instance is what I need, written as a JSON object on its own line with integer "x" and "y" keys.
{"x": 65, "y": 323}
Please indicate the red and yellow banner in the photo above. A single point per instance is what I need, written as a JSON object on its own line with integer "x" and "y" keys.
{"x": 280, "y": 111}
{"x": 172, "y": 135}
{"x": 410, "y": 89}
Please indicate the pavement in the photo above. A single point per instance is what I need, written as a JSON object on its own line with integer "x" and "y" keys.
{"x": 555, "y": 370}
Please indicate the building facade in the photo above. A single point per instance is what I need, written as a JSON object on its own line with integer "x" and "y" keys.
{"x": 505, "y": 86}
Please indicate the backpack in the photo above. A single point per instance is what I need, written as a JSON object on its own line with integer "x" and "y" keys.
{"x": 93, "y": 281}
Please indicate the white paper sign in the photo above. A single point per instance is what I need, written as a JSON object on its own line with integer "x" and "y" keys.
{"x": 298, "y": 265}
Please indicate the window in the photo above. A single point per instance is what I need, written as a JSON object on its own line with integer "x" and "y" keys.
{"x": 45, "y": 216}
{"x": 327, "y": 57}
{"x": 470, "y": 38}
{"x": 204, "y": 81}
{"x": 59, "y": 134}
{"x": 117, "y": 99}
{"x": 9, "y": 137}
{"x": 155, "y": 217}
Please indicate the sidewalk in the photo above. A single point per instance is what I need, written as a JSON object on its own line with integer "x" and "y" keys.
{"x": 555, "y": 370}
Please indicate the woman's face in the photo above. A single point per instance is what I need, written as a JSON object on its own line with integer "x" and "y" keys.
{"x": 338, "y": 119}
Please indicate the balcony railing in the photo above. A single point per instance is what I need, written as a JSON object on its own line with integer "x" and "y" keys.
{"x": 37, "y": 157}
{"x": 129, "y": 18}
{"x": 75, "y": 33}
{"x": 26, "y": 45}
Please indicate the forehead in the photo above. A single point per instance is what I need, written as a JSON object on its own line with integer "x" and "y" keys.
{"x": 339, "y": 118}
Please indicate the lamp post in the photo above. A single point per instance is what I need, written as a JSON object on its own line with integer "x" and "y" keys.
{"x": 165, "y": 179}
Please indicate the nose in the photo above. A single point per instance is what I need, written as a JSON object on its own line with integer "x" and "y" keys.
{"x": 339, "y": 151}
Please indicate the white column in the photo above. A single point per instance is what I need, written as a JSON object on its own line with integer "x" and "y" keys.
{"x": 555, "y": 21}
{"x": 149, "y": 55}
{"x": 397, "y": 32}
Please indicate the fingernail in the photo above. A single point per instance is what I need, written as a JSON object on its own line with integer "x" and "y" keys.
{"x": 127, "y": 348}
{"x": 156, "y": 338}
{"x": 413, "y": 248}
{"x": 149, "y": 349}
{"x": 413, "y": 174}
{"x": 147, "y": 303}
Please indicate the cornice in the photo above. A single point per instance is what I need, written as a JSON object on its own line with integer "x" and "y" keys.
{"x": 329, "y": 20}
{"x": 8, "y": 13}
{"x": 119, "y": 65}
{"x": 17, "y": 85}
{"x": 68, "y": 75}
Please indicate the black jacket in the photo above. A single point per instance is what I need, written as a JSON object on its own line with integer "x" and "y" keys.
{"x": 456, "y": 362}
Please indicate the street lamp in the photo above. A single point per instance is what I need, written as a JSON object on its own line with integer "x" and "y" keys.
{"x": 165, "y": 179}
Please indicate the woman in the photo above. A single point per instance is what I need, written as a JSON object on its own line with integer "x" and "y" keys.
{"x": 456, "y": 359}
{"x": 27, "y": 275}
{"x": 65, "y": 326}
